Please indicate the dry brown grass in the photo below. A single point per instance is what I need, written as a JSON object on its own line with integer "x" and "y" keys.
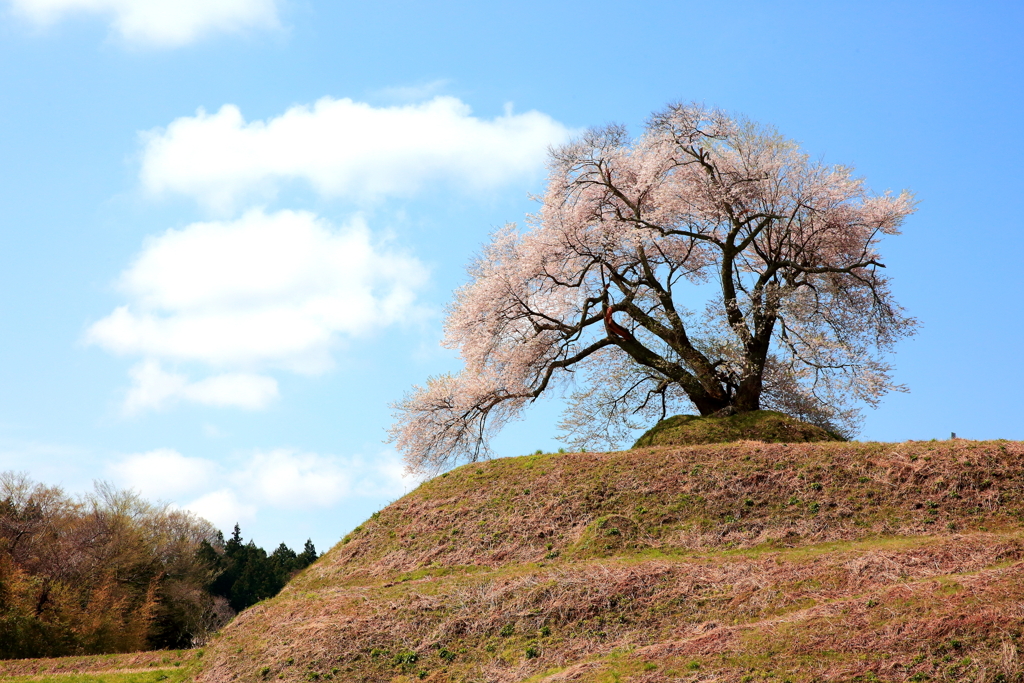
{"x": 738, "y": 562}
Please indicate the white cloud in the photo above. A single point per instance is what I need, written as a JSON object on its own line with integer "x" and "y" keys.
{"x": 286, "y": 478}
{"x": 164, "y": 473}
{"x": 280, "y": 479}
{"x": 159, "y": 23}
{"x": 51, "y": 463}
{"x": 223, "y": 508}
{"x": 239, "y": 389}
{"x": 264, "y": 486}
{"x": 155, "y": 388}
{"x": 265, "y": 290}
{"x": 345, "y": 148}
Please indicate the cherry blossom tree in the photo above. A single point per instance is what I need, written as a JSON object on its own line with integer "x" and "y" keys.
{"x": 707, "y": 264}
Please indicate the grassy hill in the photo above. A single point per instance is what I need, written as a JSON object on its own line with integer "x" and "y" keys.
{"x": 745, "y": 561}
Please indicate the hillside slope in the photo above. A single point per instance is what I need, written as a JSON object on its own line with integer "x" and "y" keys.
{"x": 731, "y": 562}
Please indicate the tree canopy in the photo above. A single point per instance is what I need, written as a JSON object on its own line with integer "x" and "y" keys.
{"x": 708, "y": 263}
{"x": 110, "y": 572}
{"x": 105, "y": 572}
{"x": 246, "y": 574}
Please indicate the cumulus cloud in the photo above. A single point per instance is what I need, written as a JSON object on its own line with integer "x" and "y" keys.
{"x": 154, "y": 388}
{"x": 280, "y": 479}
{"x": 265, "y": 290}
{"x": 223, "y": 508}
{"x": 159, "y": 23}
{"x": 345, "y": 148}
{"x": 164, "y": 473}
{"x": 291, "y": 479}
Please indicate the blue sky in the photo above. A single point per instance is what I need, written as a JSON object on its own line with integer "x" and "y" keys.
{"x": 228, "y": 229}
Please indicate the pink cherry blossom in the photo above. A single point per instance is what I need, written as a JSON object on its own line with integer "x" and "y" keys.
{"x": 708, "y": 264}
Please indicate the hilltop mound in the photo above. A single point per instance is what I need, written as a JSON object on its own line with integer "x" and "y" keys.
{"x": 759, "y": 425}
{"x": 729, "y": 562}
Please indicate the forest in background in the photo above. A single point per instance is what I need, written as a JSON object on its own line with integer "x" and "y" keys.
{"x": 111, "y": 572}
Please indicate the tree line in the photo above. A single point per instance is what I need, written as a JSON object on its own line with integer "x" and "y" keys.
{"x": 111, "y": 572}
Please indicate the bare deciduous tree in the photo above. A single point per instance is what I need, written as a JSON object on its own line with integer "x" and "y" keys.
{"x": 104, "y": 572}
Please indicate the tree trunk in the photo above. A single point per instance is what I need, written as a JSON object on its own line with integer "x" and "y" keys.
{"x": 705, "y": 404}
{"x": 748, "y": 396}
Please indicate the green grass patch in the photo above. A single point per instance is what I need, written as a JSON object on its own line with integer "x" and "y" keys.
{"x": 758, "y": 425}
{"x": 151, "y": 676}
